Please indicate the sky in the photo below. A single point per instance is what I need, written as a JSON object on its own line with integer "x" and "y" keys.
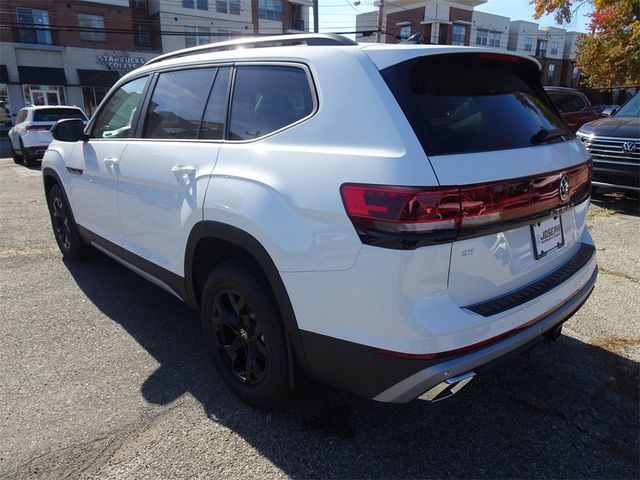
{"x": 340, "y": 15}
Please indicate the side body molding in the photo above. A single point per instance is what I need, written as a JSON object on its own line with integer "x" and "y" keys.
{"x": 208, "y": 229}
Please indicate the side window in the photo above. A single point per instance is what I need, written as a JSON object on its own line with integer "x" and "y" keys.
{"x": 115, "y": 118}
{"x": 177, "y": 103}
{"x": 216, "y": 112}
{"x": 267, "y": 98}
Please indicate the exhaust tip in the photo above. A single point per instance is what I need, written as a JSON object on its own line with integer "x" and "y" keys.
{"x": 448, "y": 388}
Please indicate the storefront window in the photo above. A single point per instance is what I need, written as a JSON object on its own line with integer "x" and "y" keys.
{"x": 43, "y": 95}
{"x": 92, "y": 97}
{"x": 5, "y": 106}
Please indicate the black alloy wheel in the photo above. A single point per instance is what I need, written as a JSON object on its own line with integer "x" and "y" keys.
{"x": 64, "y": 226}
{"x": 60, "y": 222}
{"x": 239, "y": 337}
{"x": 245, "y": 333}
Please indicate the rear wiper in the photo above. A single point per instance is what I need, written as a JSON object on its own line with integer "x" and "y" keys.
{"x": 545, "y": 136}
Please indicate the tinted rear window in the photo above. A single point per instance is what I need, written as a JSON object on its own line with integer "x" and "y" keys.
{"x": 53, "y": 115}
{"x": 468, "y": 103}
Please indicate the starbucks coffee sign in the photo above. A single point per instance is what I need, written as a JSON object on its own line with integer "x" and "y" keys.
{"x": 121, "y": 62}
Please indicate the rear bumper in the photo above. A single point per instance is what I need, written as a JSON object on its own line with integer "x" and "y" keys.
{"x": 371, "y": 373}
{"x": 428, "y": 378}
{"x": 36, "y": 152}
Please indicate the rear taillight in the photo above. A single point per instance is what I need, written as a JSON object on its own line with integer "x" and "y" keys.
{"x": 38, "y": 127}
{"x": 405, "y": 217}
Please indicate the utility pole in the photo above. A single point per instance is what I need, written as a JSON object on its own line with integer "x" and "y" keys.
{"x": 380, "y": 17}
{"x": 315, "y": 16}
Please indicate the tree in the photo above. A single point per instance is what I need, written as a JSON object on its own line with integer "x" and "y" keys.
{"x": 610, "y": 54}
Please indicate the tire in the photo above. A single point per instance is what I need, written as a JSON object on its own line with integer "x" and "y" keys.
{"x": 28, "y": 160}
{"x": 64, "y": 226}
{"x": 245, "y": 334}
{"x": 16, "y": 158}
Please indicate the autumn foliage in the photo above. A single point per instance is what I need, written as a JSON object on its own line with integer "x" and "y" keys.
{"x": 609, "y": 55}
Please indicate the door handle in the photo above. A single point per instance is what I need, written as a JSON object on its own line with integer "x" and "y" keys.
{"x": 111, "y": 161}
{"x": 181, "y": 169}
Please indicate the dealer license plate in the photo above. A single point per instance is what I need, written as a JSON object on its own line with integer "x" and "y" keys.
{"x": 547, "y": 236}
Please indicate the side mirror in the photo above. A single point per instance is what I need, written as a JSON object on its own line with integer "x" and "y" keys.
{"x": 607, "y": 112}
{"x": 69, "y": 130}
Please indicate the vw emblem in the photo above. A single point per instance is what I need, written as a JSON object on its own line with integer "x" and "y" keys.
{"x": 563, "y": 190}
{"x": 629, "y": 147}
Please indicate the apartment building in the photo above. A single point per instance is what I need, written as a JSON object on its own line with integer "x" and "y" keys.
{"x": 186, "y": 23}
{"x": 456, "y": 22}
{"x": 68, "y": 52}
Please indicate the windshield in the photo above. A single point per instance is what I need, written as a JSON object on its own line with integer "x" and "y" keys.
{"x": 467, "y": 103}
{"x": 631, "y": 108}
{"x": 55, "y": 114}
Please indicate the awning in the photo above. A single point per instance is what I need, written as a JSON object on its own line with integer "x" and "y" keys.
{"x": 42, "y": 76}
{"x": 4, "y": 75}
{"x": 97, "y": 78}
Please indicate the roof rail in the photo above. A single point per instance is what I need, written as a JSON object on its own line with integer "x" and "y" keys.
{"x": 311, "y": 39}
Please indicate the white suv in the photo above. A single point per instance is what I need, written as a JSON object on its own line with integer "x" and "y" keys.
{"x": 31, "y": 135}
{"x": 386, "y": 219}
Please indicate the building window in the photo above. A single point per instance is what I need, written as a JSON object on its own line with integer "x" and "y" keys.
{"x": 405, "y": 32}
{"x": 481, "y": 37}
{"x": 94, "y": 25}
{"x": 494, "y": 39}
{"x": 541, "y": 48}
{"x": 528, "y": 44}
{"x": 92, "y": 97}
{"x": 458, "y": 33}
{"x": 554, "y": 48}
{"x": 143, "y": 37}
{"x": 270, "y": 9}
{"x": 576, "y": 73}
{"x": 196, "y": 36}
{"x": 228, "y": 6}
{"x": 199, "y": 4}
{"x": 224, "y": 34}
{"x": 550, "y": 70}
{"x": 36, "y": 23}
{"x": 43, "y": 95}
{"x": 139, "y": 3}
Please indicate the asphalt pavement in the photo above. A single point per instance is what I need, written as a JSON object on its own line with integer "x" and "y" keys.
{"x": 103, "y": 375}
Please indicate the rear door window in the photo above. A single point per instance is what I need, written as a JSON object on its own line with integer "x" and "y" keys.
{"x": 466, "y": 103}
{"x": 177, "y": 103}
{"x": 267, "y": 98}
{"x": 567, "y": 102}
{"x": 215, "y": 114}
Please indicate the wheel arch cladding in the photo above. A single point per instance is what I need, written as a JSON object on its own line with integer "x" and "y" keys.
{"x": 212, "y": 242}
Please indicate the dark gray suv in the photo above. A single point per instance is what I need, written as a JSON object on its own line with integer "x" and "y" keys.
{"x": 614, "y": 143}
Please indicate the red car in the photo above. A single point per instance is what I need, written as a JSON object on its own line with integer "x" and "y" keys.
{"x": 574, "y": 107}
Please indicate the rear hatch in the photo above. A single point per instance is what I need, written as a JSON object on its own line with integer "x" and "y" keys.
{"x": 521, "y": 178}
{"x": 45, "y": 118}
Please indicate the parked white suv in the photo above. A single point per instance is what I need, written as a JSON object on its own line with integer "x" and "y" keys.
{"x": 31, "y": 135}
{"x": 386, "y": 219}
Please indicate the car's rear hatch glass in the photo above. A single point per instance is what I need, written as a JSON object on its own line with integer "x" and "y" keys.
{"x": 52, "y": 115}
{"x": 462, "y": 103}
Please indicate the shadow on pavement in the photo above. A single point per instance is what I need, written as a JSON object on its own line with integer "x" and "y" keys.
{"x": 565, "y": 409}
{"x": 620, "y": 201}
